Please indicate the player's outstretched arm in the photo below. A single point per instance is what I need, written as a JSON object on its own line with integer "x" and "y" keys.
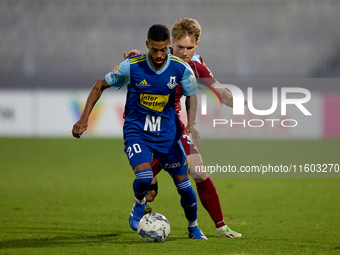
{"x": 96, "y": 92}
{"x": 226, "y": 97}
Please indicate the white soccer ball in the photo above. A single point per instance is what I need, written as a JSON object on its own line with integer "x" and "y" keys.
{"x": 153, "y": 227}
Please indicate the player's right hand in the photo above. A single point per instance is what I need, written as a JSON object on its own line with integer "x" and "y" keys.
{"x": 194, "y": 133}
{"x": 79, "y": 128}
{"x": 131, "y": 53}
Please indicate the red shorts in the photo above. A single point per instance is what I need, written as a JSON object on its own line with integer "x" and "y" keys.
{"x": 188, "y": 146}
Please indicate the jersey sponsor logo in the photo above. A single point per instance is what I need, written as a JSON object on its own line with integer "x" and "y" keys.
{"x": 172, "y": 165}
{"x": 154, "y": 102}
{"x": 172, "y": 83}
{"x": 143, "y": 83}
{"x": 152, "y": 124}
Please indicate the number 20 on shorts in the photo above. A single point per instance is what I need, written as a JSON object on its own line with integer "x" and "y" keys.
{"x": 134, "y": 149}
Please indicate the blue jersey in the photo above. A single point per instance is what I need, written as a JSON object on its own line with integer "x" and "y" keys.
{"x": 149, "y": 108}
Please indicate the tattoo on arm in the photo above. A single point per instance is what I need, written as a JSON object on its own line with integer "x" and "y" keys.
{"x": 97, "y": 86}
{"x": 103, "y": 81}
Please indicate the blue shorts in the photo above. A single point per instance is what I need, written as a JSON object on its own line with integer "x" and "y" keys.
{"x": 173, "y": 161}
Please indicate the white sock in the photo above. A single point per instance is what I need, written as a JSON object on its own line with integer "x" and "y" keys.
{"x": 192, "y": 223}
{"x": 140, "y": 201}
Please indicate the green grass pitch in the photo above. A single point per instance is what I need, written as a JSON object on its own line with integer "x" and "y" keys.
{"x": 68, "y": 196}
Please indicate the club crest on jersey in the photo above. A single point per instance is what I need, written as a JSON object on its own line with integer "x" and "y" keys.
{"x": 172, "y": 83}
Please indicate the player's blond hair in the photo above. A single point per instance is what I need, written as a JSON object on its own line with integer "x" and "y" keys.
{"x": 186, "y": 27}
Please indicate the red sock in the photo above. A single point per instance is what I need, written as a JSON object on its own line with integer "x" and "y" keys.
{"x": 209, "y": 198}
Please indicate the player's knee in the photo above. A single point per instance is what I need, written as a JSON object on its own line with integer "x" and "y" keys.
{"x": 198, "y": 175}
{"x": 199, "y": 180}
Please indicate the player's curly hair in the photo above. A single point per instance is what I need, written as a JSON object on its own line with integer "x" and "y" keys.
{"x": 186, "y": 27}
{"x": 158, "y": 33}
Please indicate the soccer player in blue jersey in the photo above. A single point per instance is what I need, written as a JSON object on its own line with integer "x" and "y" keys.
{"x": 152, "y": 127}
{"x": 186, "y": 33}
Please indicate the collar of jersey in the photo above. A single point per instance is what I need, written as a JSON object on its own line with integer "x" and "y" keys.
{"x": 158, "y": 71}
{"x": 196, "y": 58}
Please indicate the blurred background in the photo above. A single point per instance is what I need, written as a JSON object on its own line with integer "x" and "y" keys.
{"x": 68, "y": 45}
{"x": 45, "y": 43}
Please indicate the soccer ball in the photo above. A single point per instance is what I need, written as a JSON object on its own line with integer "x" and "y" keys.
{"x": 153, "y": 227}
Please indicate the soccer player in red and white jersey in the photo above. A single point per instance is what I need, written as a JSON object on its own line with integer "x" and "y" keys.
{"x": 186, "y": 33}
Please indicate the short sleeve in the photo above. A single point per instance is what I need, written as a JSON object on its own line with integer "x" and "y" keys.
{"x": 188, "y": 82}
{"x": 119, "y": 76}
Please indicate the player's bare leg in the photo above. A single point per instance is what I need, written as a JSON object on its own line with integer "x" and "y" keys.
{"x": 150, "y": 195}
{"x": 208, "y": 195}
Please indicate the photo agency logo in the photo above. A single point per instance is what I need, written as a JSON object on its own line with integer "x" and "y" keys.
{"x": 288, "y": 97}
{"x": 206, "y": 89}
